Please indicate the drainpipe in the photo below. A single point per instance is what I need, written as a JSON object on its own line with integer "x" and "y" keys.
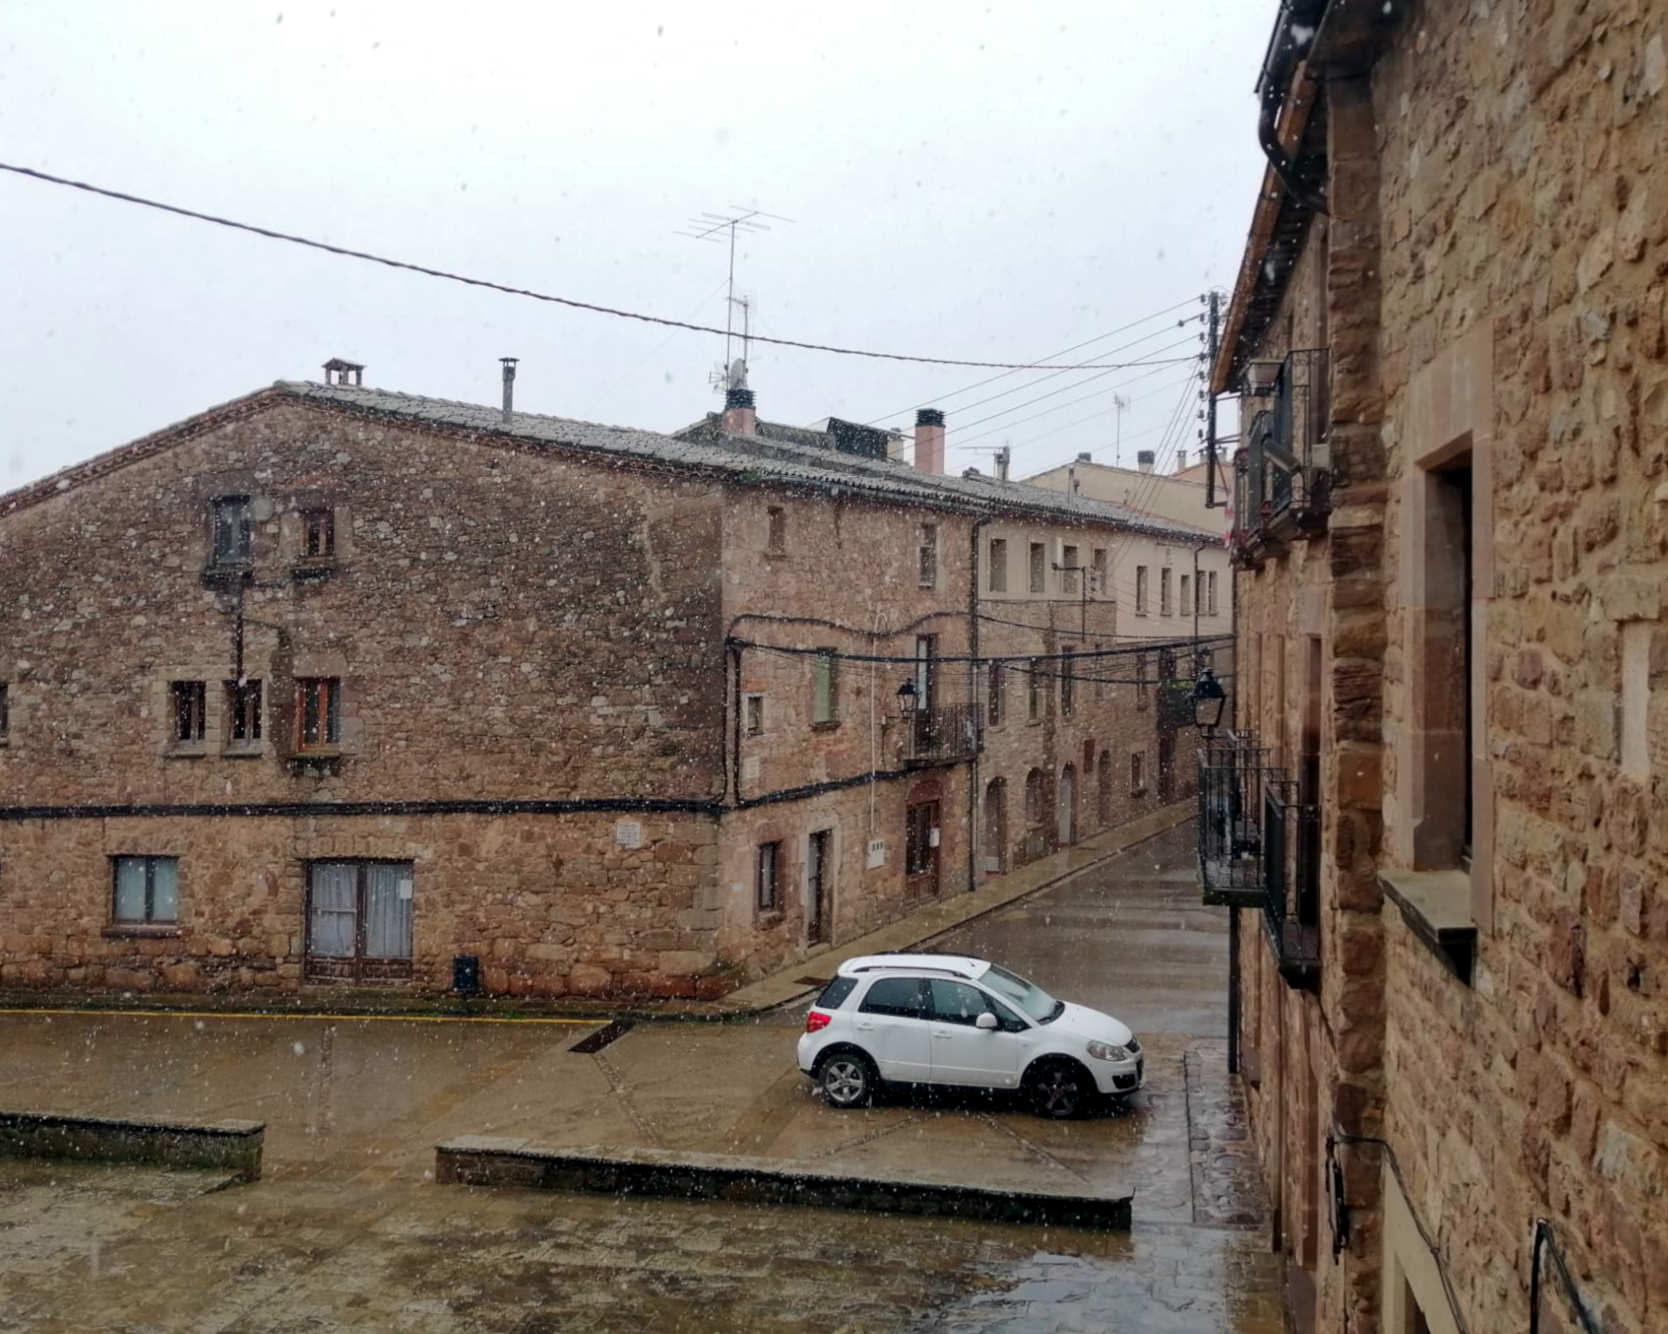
{"x": 975, "y": 835}
{"x": 1275, "y": 82}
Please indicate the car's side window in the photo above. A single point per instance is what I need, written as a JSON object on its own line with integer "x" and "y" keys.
{"x": 956, "y": 1002}
{"x": 835, "y": 993}
{"x": 895, "y": 995}
{"x": 1005, "y": 1015}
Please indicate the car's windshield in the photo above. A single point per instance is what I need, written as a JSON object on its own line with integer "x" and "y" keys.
{"x": 1028, "y": 996}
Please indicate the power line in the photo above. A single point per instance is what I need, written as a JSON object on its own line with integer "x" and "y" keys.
{"x": 992, "y": 379}
{"x": 961, "y": 441}
{"x": 408, "y": 267}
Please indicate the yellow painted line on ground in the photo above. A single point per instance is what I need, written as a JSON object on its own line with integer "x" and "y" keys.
{"x": 332, "y": 1018}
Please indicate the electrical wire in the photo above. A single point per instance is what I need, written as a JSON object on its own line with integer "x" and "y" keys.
{"x": 406, "y": 266}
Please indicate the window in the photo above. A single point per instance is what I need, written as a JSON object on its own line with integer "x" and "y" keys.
{"x": 1068, "y": 571}
{"x": 1067, "y": 691}
{"x": 1033, "y": 691}
{"x": 993, "y": 694}
{"x": 1140, "y": 680}
{"x": 1210, "y": 594}
{"x": 186, "y": 700}
{"x": 835, "y": 993}
{"x": 318, "y": 713}
{"x": 1137, "y": 772}
{"x": 359, "y": 920}
{"x": 926, "y": 673}
{"x": 1140, "y": 590}
{"x": 1039, "y": 568}
{"x": 1164, "y": 606}
{"x": 929, "y": 555}
{"x": 920, "y": 839}
{"x": 996, "y": 566}
{"x": 243, "y": 710}
{"x": 1097, "y": 572}
{"x": 318, "y": 533}
{"x": 5, "y": 714}
{"x": 1186, "y": 593}
{"x": 770, "y": 856}
{"x": 776, "y": 540}
{"x": 755, "y": 715}
{"x": 958, "y": 1003}
{"x": 824, "y": 685}
{"x": 146, "y": 889}
{"x": 900, "y": 996}
{"x": 1036, "y": 793}
{"x": 231, "y": 530}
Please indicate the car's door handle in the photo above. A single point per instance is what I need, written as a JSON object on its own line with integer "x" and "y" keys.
{"x": 864, "y": 1028}
{"x": 942, "y": 1033}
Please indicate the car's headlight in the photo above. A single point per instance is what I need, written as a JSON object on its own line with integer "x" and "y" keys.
{"x": 1106, "y": 1051}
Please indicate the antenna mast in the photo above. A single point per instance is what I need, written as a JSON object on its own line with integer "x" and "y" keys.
{"x": 1120, "y": 405}
{"x": 713, "y": 227}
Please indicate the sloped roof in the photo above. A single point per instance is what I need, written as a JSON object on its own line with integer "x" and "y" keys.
{"x": 744, "y": 459}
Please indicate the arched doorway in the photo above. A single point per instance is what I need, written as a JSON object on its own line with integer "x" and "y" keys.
{"x": 1035, "y": 842}
{"x": 996, "y": 826}
{"x": 1103, "y": 803}
{"x": 1068, "y": 806}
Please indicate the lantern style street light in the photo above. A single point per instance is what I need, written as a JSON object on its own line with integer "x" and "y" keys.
{"x": 906, "y": 698}
{"x": 1208, "y": 699}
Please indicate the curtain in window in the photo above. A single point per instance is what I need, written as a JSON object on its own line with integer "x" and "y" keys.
{"x": 165, "y": 889}
{"x": 335, "y": 908}
{"x": 388, "y": 890}
{"x": 130, "y": 889}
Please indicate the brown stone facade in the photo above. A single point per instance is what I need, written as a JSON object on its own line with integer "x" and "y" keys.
{"x": 319, "y": 689}
{"x": 1483, "y": 1045}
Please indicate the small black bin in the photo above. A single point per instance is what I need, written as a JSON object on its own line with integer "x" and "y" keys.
{"x": 466, "y": 974}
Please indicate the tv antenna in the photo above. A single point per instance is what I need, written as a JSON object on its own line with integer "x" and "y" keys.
{"x": 713, "y": 227}
{"x": 1120, "y": 405}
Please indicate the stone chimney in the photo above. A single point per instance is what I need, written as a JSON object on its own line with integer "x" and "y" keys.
{"x": 1004, "y": 457}
{"x": 739, "y": 416}
{"x": 929, "y": 440}
{"x": 1144, "y": 460}
{"x": 1181, "y": 460}
{"x": 509, "y": 384}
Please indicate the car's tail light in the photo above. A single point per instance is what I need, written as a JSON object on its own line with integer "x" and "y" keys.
{"x": 816, "y": 1019}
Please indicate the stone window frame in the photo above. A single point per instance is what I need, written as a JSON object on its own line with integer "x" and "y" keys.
{"x": 149, "y": 924}
{"x": 1450, "y": 417}
{"x": 1070, "y": 554}
{"x": 768, "y": 876}
{"x": 1184, "y": 594}
{"x": 187, "y": 716}
{"x": 996, "y": 565}
{"x": 825, "y": 689}
{"x": 235, "y": 698}
{"x": 1140, "y": 590}
{"x": 1210, "y": 597}
{"x": 927, "y": 556}
{"x": 1165, "y": 606}
{"x": 231, "y": 516}
{"x": 1037, "y": 569}
{"x": 753, "y": 713}
{"x": 329, "y": 713}
{"x": 776, "y": 530}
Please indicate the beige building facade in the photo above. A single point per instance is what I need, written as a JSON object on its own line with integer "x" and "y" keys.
{"x": 1441, "y": 820}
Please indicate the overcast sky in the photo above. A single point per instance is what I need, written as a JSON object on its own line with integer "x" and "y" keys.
{"x": 990, "y": 182}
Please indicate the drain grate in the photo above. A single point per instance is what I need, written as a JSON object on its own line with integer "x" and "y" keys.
{"x": 612, "y": 1031}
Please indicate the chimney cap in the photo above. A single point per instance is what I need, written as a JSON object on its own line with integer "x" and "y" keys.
{"x": 339, "y": 371}
{"x": 509, "y": 361}
{"x": 929, "y": 417}
{"x": 1145, "y": 456}
{"x": 1083, "y": 457}
{"x": 738, "y": 398}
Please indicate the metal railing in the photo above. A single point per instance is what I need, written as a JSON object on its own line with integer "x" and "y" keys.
{"x": 1232, "y": 771}
{"x": 944, "y": 735}
{"x": 1283, "y": 475}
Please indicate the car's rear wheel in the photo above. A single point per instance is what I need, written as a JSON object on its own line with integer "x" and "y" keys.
{"x": 1059, "y": 1089}
{"x": 847, "y": 1079}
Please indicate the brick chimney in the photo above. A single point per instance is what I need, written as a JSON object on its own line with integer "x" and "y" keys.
{"x": 739, "y": 416}
{"x": 929, "y": 440}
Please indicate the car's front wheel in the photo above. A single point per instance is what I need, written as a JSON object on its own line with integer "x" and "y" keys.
{"x": 1059, "y": 1089}
{"x": 847, "y": 1079}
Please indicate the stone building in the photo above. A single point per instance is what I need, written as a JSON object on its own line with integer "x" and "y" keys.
{"x": 1440, "y": 818}
{"x": 336, "y": 685}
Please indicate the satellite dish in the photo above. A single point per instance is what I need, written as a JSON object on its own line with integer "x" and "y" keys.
{"x": 737, "y": 378}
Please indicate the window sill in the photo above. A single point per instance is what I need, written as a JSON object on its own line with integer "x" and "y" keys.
{"x": 765, "y": 920}
{"x": 221, "y": 576}
{"x": 831, "y": 725}
{"x": 1138, "y": 792}
{"x": 316, "y": 761}
{"x": 312, "y": 570}
{"x": 1436, "y": 905}
{"x": 186, "y": 750}
{"x": 142, "y": 931}
{"x": 240, "y": 752}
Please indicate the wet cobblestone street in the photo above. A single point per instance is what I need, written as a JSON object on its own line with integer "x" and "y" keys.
{"x": 346, "y": 1231}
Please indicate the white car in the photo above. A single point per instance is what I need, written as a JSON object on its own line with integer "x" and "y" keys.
{"x": 949, "y": 1019}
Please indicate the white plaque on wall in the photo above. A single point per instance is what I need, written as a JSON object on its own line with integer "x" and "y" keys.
{"x": 629, "y": 833}
{"x": 877, "y": 852}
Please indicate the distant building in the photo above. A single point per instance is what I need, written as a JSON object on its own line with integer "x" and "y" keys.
{"x": 337, "y": 685}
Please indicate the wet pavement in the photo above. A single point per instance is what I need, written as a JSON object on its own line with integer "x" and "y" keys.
{"x": 347, "y": 1231}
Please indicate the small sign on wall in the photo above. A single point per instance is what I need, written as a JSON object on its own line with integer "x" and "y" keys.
{"x": 629, "y": 833}
{"x": 877, "y": 853}
{"x": 750, "y": 769}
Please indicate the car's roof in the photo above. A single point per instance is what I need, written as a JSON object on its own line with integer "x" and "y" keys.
{"x": 962, "y": 965}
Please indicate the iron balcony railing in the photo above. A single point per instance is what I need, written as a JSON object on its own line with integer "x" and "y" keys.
{"x": 1291, "y": 881}
{"x": 1232, "y": 771}
{"x": 1282, "y": 483}
{"x": 944, "y": 735}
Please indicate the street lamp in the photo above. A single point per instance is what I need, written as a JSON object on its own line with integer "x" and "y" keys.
{"x": 1208, "y": 699}
{"x": 906, "y": 698}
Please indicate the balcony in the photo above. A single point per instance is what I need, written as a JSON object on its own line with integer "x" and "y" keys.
{"x": 1259, "y": 847}
{"x": 1232, "y": 771}
{"x": 1282, "y": 477}
{"x": 948, "y": 734}
{"x": 1291, "y": 883}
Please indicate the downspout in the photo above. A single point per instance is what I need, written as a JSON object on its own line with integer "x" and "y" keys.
{"x": 975, "y": 773}
{"x": 733, "y": 750}
{"x": 1273, "y": 85}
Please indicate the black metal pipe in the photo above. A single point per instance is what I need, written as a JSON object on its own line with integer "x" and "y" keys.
{"x": 1284, "y": 48}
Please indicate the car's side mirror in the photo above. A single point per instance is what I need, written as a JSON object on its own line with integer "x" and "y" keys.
{"x": 986, "y": 1021}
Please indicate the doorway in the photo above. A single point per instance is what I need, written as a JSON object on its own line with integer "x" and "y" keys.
{"x": 1068, "y": 806}
{"x": 996, "y": 826}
